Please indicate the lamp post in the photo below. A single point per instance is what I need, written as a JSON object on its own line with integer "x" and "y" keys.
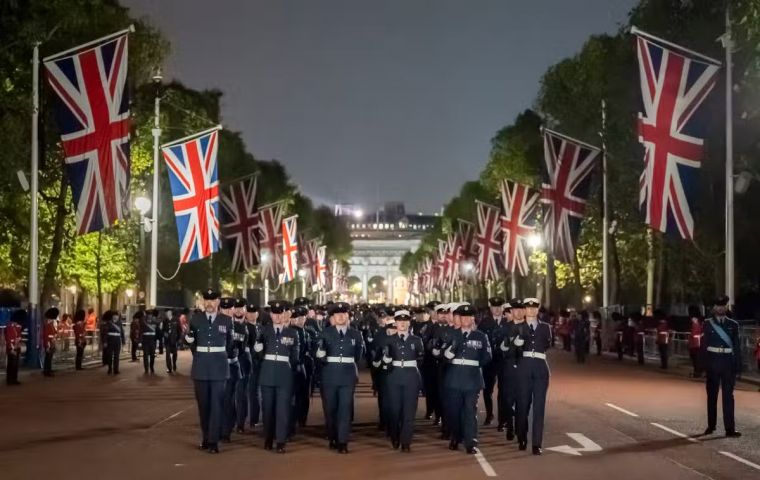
{"x": 143, "y": 205}
{"x": 302, "y": 274}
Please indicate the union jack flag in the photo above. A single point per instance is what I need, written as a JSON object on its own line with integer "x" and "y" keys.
{"x": 93, "y": 116}
{"x": 195, "y": 193}
{"x": 308, "y": 259}
{"x": 673, "y": 86}
{"x": 426, "y": 281}
{"x": 241, "y": 223}
{"x": 270, "y": 240}
{"x": 321, "y": 267}
{"x": 443, "y": 264}
{"x": 569, "y": 163}
{"x": 453, "y": 256}
{"x": 517, "y": 224}
{"x": 289, "y": 248}
{"x": 466, "y": 232}
{"x": 488, "y": 240}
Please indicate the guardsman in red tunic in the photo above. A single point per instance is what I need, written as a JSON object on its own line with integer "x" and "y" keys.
{"x": 13, "y": 346}
{"x": 695, "y": 341}
{"x": 663, "y": 337}
{"x": 49, "y": 333}
{"x": 80, "y": 337}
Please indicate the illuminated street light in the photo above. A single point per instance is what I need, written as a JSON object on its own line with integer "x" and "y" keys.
{"x": 535, "y": 240}
{"x": 468, "y": 267}
{"x": 143, "y": 204}
{"x": 265, "y": 256}
{"x": 130, "y": 292}
{"x": 358, "y": 213}
{"x": 302, "y": 273}
{"x": 587, "y": 299}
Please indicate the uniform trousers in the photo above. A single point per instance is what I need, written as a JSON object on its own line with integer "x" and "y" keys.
{"x": 430, "y": 381}
{"x": 113, "y": 356}
{"x": 11, "y": 368}
{"x": 276, "y": 405}
{"x": 721, "y": 374}
{"x": 79, "y": 356}
{"x": 149, "y": 354}
{"x": 508, "y": 388}
{"x": 462, "y": 406}
{"x": 230, "y": 387}
{"x": 171, "y": 356}
{"x": 533, "y": 384}
{"x": 241, "y": 394}
{"x": 254, "y": 398}
{"x": 402, "y": 400}
{"x": 209, "y": 394}
{"x": 339, "y": 406}
{"x": 489, "y": 377}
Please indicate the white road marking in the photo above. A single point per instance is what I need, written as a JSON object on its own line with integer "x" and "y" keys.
{"x": 675, "y": 432}
{"x": 587, "y": 445}
{"x": 173, "y": 415}
{"x": 740, "y": 460}
{"x": 622, "y": 410}
{"x": 487, "y": 468}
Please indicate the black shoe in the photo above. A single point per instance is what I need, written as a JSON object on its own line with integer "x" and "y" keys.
{"x": 406, "y": 448}
{"x": 428, "y": 416}
{"x": 395, "y": 444}
{"x": 453, "y": 445}
{"x": 733, "y": 434}
{"x": 472, "y": 450}
{"x": 537, "y": 450}
{"x": 268, "y": 445}
{"x": 152, "y": 372}
{"x": 343, "y": 448}
{"x": 510, "y": 434}
{"x": 214, "y": 448}
{"x": 500, "y": 427}
{"x": 108, "y": 373}
{"x": 333, "y": 445}
{"x": 489, "y": 420}
{"x": 280, "y": 448}
{"x": 522, "y": 445}
{"x": 437, "y": 422}
{"x": 709, "y": 431}
{"x": 168, "y": 371}
{"x": 203, "y": 446}
{"x": 146, "y": 372}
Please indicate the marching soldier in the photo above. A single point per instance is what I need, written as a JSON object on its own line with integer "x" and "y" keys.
{"x": 279, "y": 349}
{"x": 438, "y": 343}
{"x": 429, "y": 367}
{"x": 639, "y": 333}
{"x": 148, "y": 327}
{"x": 241, "y": 347}
{"x": 722, "y": 353}
{"x": 13, "y": 346}
{"x": 488, "y": 325}
{"x": 80, "y": 338}
{"x": 620, "y": 328}
{"x": 469, "y": 350}
{"x": 508, "y": 378}
{"x": 581, "y": 336}
{"x": 534, "y": 339}
{"x": 387, "y": 328}
{"x": 172, "y": 333}
{"x": 210, "y": 338}
{"x": 663, "y": 337}
{"x": 254, "y": 330}
{"x": 300, "y": 379}
{"x": 695, "y": 341}
{"x": 404, "y": 352}
{"x": 49, "y": 333}
{"x": 226, "y": 305}
{"x": 134, "y": 333}
{"x": 114, "y": 340}
{"x": 340, "y": 349}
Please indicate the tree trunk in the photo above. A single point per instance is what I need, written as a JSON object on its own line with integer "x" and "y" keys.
{"x": 615, "y": 283}
{"x": 51, "y": 269}
{"x": 660, "y": 270}
{"x": 98, "y": 273}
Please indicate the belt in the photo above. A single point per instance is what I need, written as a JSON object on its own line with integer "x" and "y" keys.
{"x": 149, "y": 333}
{"x": 210, "y": 349}
{"x": 114, "y": 334}
{"x": 534, "y": 355}
{"x": 405, "y": 363}
{"x": 720, "y": 350}
{"x": 248, "y": 349}
{"x": 340, "y": 360}
{"x": 464, "y": 361}
{"x": 277, "y": 358}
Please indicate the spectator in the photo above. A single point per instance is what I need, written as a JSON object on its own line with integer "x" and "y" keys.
{"x": 64, "y": 331}
{"x": 91, "y": 325}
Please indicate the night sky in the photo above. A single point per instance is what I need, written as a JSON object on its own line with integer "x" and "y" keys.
{"x": 367, "y": 100}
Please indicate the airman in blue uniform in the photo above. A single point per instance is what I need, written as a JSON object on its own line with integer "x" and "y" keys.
{"x": 300, "y": 379}
{"x": 148, "y": 332}
{"x": 278, "y": 348}
{"x": 534, "y": 339}
{"x": 254, "y": 397}
{"x": 210, "y": 338}
{"x": 468, "y": 352}
{"x": 226, "y": 305}
{"x": 172, "y": 333}
{"x": 386, "y": 328}
{"x": 403, "y": 352}
{"x": 340, "y": 349}
{"x": 114, "y": 333}
{"x": 243, "y": 352}
{"x": 509, "y": 354}
{"x": 488, "y": 325}
{"x": 440, "y": 340}
{"x": 721, "y": 351}
{"x": 429, "y": 369}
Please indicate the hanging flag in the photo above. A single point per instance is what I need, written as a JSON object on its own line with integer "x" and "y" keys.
{"x": 270, "y": 240}
{"x": 321, "y": 267}
{"x": 674, "y": 83}
{"x": 307, "y": 259}
{"x": 93, "y": 116}
{"x": 569, "y": 163}
{"x": 192, "y": 167}
{"x": 443, "y": 264}
{"x": 466, "y": 231}
{"x": 289, "y": 248}
{"x": 453, "y": 258}
{"x": 241, "y": 223}
{"x": 488, "y": 241}
{"x": 517, "y": 223}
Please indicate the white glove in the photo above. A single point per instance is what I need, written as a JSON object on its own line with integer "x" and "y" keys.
{"x": 232, "y": 360}
{"x": 449, "y": 354}
{"x": 189, "y": 339}
{"x": 258, "y": 346}
{"x": 376, "y": 364}
{"x": 369, "y": 339}
{"x": 321, "y": 353}
{"x": 519, "y": 341}
{"x": 387, "y": 359}
{"x": 504, "y": 347}
{"x": 436, "y": 352}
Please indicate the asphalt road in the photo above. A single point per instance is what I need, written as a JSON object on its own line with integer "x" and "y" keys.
{"x": 605, "y": 421}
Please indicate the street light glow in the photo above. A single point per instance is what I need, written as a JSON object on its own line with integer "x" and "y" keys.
{"x": 129, "y": 292}
{"x": 143, "y": 204}
{"x": 358, "y": 213}
{"x": 587, "y": 299}
{"x": 265, "y": 256}
{"x": 468, "y": 267}
{"x": 535, "y": 240}
{"x": 301, "y": 273}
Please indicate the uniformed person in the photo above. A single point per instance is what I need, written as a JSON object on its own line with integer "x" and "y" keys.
{"x": 148, "y": 327}
{"x": 639, "y": 336}
{"x": 278, "y": 348}
{"x": 254, "y": 398}
{"x": 722, "y": 353}
{"x": 300, "y": 379}
{"x": 80, "y": 338}
{"x": 404, "y": 353}
{"x": 49, "y": 334}
{"x": 227, "y": 307}
{"x": 172, "y": 333}
{"x": 210, "y": 338}
{"x": 468, "y": 352}
{"x": 242, "y": 349}
{"x": 488, "y": 325}
{"x": 534, "y": 339}
{"x": 13, "y": 346}
{"x": 441, "y": 340}
{"x": 426, "y": 331}
{"x": 663, "y": 337}
{"x": 114, "y": 333}
{"x": 387, "y": 328}
{"x": 134, "y": 333}
{"x": 507, "y": 355}
{"x": 581, "y": 337}
{"x": 340, "y": 349}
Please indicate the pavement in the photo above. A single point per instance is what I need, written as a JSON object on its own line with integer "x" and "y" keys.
{"x": 604, "y": 420}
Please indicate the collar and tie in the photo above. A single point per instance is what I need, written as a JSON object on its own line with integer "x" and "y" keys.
{"x": 210, "y": 319}
{"x": 532, "y": 328}
{"x": 466, "y": 334}
{"x": 403, "y": 337}
{"x": 277, "y": 332}
{"x": 341, "y": 334}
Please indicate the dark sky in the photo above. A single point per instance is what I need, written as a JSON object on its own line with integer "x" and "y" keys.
{"x": 357, "y": 97}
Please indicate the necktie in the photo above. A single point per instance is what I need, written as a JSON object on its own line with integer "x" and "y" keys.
{"x": 277, "y": 334}
{"x": 209, "y": 319}
{"x": 466, "y": 334}
{"x": 532, "y": 328}
{"x": 403, "y": 338}
{"x": 341, "y": 334}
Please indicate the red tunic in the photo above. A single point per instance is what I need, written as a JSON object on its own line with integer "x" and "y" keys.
{"x": 662, "y": 333}
{"x": 12, "y": 336}
{"x": 49, "y": 333}
{"x": 695, "y": 339}
{"x": 79, "y": 334}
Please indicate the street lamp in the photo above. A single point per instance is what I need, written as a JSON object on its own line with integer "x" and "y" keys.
{"x": 130, "y": 293}
{"x": 358, "y": 213}
{"x": 587, "y": 299}
{"x": 535, "y": 240}
{"x": 143, "y": 206}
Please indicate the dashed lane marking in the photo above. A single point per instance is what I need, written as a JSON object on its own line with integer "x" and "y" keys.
{"x": 487, "y": 468}
{"x": 173, "y": 415}
{"x": 621, "y": 410}
{"x": 740, "y": 459}
{"x": 675, "y": 432}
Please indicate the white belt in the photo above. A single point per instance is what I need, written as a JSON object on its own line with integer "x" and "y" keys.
{"x": 114, "y": 334}
{"x": 149, "y": 333}
{"x": 340, "y": 360}
{"x": 210, "y": 349}
{"x": 696, "y": 336}
{"x": 720, "y": 350}
{"x": 248, "y": 349}
{"x": 464, "y": 361}
{"x": 405, "y": 363}
{"x": 277, "y": 358}
{"x": 534, "y": 355}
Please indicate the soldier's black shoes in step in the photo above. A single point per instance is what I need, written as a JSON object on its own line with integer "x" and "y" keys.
{"x": 213, "y": 448}
{"x": 333, "y": 445}
{"x": 510, "y": 435}
{"x": 472, "y": 450}
{"x": 203, "y": 446}
{"x": 537, "y": 450}
{"x": 406, "y": 448}
{"x": 395, "y": 444}
{"x": 733, "y": 434}
{"x": 453, "y": 445}
{"x": 240, "y": 430}
{"x": 268, "y": 445}
{"x": 500, "y": 427}
{"x": 428, "y": 416}
{"x": 342, "y": 448}
{"x": 489, "y": 420}
{"x": 522, "y": 445}
{"x": 709, "y": 431}
{"x": 280, "y": 448}
{"x": 437, "y": 422}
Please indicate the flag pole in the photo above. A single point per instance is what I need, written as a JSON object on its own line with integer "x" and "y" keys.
{"x": 606, "y": 214}
{"x": 154, "y": 231}
{"x": 32, "y": 357}
{"x": 730, "y": 275}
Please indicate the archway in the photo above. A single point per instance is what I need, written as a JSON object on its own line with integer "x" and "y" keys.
{"x": 376, "y": 289}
